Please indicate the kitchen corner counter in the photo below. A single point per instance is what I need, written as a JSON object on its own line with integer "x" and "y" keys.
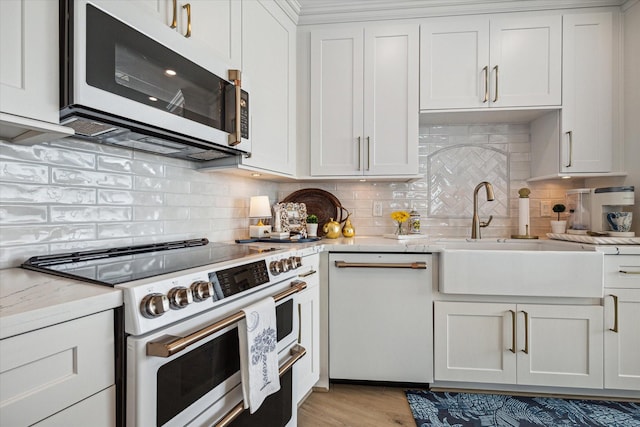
{"x": 30, "y": 300}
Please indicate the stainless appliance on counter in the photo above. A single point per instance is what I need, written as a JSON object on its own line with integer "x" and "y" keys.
{"x": 177, "y": 336}
{"x": 133, "y": 82}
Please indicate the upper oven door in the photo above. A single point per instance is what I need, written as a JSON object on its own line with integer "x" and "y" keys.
{"x": 126, "y": 65}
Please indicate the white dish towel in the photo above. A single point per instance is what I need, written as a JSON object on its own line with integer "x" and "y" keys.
{"x": 258, "y": 353}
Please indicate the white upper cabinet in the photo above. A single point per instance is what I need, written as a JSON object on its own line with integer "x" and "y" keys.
{"x": 268, "y": 63}
{"x": 499, "y": 61}
{"x": 29, "y": 98}
{"x": 364, "y": 101}
{"x": 587, "y": 93}
{"x": 214, "y": 24}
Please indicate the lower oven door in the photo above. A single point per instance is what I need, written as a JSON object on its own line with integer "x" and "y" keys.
{"x": 195, "y": 385}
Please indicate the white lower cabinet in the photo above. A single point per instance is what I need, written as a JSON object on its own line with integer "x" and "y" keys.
{"x": 527, "y": 344}
{"x": 47, "y": 372}
{"x": 307, "y": 369}
{"x": 622, "y": 323}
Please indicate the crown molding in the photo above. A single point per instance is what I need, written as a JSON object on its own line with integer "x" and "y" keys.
{"x": 628, "y": 4}
{"x": 291, "y": 8}
{"x": 334, "y": 11}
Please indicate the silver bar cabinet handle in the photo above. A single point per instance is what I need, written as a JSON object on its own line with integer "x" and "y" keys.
{"x": 418, "y": 265}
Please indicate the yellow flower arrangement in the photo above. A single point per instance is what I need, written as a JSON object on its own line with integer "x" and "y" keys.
{"x": 400, "y": 217}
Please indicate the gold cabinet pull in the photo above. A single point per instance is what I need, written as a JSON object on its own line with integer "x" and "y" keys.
{"x": 526, "y": 333}
{"x": 368, "y": 154}
{"x": 570, "y": 135}
{"x": 188, "y": 7}
{"x": 628, "y": 272}
{"x": 174, "y": 21}
{"x": 615, "y": 314}
{"x": 513, "y": 331}
{"x": 495, "y": 98}
{"x": 485, "y": 70}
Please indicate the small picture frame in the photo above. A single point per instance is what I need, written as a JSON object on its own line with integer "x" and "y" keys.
{"x": 293, "y": 217}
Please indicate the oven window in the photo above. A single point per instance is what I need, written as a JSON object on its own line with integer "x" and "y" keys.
{"x": 284, "y": 319}
{"x": 275, "y": 411}
{"x": 122, "y": 61}
{"x": 189, "y": 377}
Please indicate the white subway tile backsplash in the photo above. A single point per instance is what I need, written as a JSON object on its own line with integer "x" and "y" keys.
{"x": 145, "y": 183}
{"x": 28, "y": 235}
{"x": 89, "y": 178}
{"x": 90, "y": 213}
{"x": 26, "y": 193}
{"x": 25, "y": 214}
{"x": 98, "y": 196}
{"x": 130, "y": 229}
{"x": 24, "y": 172}
{"x": 124, "y": 197}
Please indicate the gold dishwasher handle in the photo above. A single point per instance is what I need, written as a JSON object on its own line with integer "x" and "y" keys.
{"x": 418, "y": 265}
{"x": 175, "y": 345}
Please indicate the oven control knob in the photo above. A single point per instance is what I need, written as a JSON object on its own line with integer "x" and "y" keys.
{"x": 286, "y": 265}
{"x": 179, "y": 297}
{"x": 296, "y": 262}
{"x": 154, "y": 305}
{"x": 201, "y": 290}
{"x": 275, "y": 267}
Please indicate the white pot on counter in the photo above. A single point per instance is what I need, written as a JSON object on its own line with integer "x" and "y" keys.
{"x": 558, "y": 226}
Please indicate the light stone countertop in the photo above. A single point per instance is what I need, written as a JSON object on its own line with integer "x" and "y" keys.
{"x": 30, "y": 300}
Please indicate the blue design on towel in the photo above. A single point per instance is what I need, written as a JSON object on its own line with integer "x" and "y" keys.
{"x": 265, "y": 342}
{"x": 434, "y": 409}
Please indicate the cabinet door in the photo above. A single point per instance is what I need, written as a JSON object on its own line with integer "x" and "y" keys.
{"x": 29, "y": 59}
{"x": 216, "y": 25}
{"x": 336, "y": 102}
{"x": 391, "y": 100}
{"x": 474, "y": 342}
{"x": 525, "y": 60}
{"x": 308, "y": 368}
{"x": 47, "y": 370}
{"x": 453, "y": 57}
{"x": 622, "y": 339}
{"x": 268, "y": 62}
{"x": 587, "y": 117}
{"x": 561, "y": 346}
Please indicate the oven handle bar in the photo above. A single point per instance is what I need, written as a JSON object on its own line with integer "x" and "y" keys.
{"x": 413, "y": 265}
{"x": 296, "y": 353}
{"x": 176, "y": 345}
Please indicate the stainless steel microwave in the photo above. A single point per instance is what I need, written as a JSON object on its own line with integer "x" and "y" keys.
{"x": 131, "y": 81}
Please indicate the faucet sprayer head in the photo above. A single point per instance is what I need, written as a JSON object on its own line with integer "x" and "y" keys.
{"x": 490, "y": 196}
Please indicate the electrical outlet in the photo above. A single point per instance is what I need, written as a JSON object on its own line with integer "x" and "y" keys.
{"x": 545, "y": 208}
{"x": 377, "y": 208}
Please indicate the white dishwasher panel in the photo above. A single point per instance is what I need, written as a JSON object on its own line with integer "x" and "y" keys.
{"x": 380, "y": 317}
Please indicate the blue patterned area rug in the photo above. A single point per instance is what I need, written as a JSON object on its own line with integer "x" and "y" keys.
{"x": 437, "y": 409}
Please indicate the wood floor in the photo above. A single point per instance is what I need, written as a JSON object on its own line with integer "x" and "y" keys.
{"x": 356, "y": 406}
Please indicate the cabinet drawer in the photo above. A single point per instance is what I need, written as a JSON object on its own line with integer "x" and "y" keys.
{"x": 47, "y": 370}
{"x": 98, "y": 410}
{"x": 622, "y": 271}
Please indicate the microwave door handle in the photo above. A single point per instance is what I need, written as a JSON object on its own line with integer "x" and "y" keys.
{"x": 236, "y": 137}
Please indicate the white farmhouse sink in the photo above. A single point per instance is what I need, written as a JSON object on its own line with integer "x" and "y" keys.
{"x": 520, "y": 267}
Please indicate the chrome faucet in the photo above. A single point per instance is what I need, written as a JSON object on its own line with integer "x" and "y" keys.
{"x": 476, "y": 223}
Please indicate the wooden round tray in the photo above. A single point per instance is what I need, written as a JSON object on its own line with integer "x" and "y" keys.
{"x": 320, "y": 203}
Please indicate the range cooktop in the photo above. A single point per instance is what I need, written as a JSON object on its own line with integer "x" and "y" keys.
{"x": 118, "y": 265}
